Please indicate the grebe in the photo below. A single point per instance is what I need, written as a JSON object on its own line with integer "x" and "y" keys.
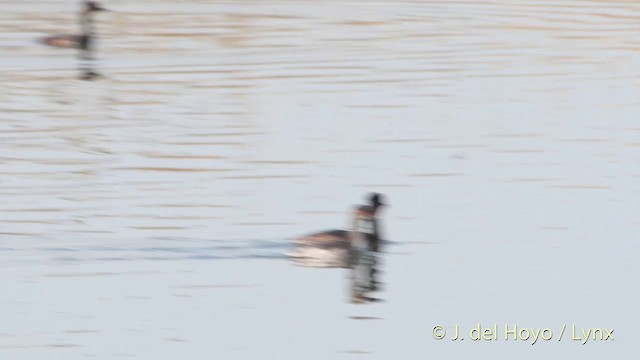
{"x": 83, "y": 41}
{"x": 332, "y": 248}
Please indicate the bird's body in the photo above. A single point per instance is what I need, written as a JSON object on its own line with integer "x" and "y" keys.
{"x": 322, "y": 249}
{"x": 325, "y": 239}
{"x": 334, "y": 248}
{"x": 84, "y": 40}
{"x": 81, "y": 42}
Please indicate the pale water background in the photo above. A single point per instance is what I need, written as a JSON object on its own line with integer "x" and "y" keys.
{"x": 145, "y": 215}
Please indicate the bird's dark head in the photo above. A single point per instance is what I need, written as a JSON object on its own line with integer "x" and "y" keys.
{"x": 92, "y": 6}
{"x": 376, "y": 200}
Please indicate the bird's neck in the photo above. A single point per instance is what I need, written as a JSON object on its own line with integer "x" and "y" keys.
{"x": 86, "y": 23}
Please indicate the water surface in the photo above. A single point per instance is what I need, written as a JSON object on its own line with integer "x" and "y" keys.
{"x": 504, "y": 134}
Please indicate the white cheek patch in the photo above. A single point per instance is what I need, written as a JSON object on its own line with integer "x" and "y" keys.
{"x": 365, "y": 226}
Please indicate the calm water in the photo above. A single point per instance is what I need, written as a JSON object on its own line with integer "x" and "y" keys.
{"x": 223, "y": 129}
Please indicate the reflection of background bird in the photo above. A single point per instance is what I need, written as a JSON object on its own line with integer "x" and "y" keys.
{"x": 84, "y": 40}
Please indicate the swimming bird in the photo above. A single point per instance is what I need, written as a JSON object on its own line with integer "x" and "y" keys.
{"x": 331, "y": 248}
{"x": 83, "y": 41}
